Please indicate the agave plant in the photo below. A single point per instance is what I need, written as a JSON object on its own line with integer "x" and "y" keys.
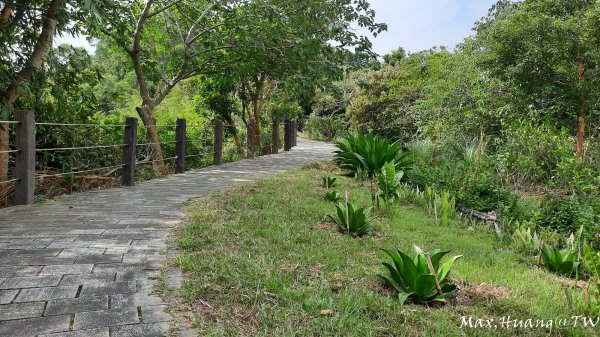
{"x": 388, "y": 181}
{"x": 332, "y": 196}
{"x": 366, "y": 154}
{"x": 352, "y": 220}
{"x": 563, "y": 262}
{"x": 417, "y": 279}
{"x": 329, "y": 182}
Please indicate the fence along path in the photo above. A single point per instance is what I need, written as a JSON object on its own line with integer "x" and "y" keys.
{"x": 88, "y": 262}
{"x": 25, "y": 150}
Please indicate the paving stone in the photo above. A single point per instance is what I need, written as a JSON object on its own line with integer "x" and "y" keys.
{"x": 50, "y": 260}
{"x": 48, "y": 293}
{"x": 108, "y": 288}
{"x": 155, "y": 314}
{"x": 135, "y": 300}
{"x": 34, "y": 326}
{"x": 9, "y": 271}
{"x": 67, "y": 269}
{"x": 94, "y": 319}
{"x": 31, "y": 282}
{"x": 6, "y": 296}
{"x": 76, "y": 252}
{"x": 21, "y": 310}
{"x": 98, "y": 332}
{"x": 86, "y": 231}
{"x": 96, "y": 259}
{"x": 87, "y": 279}
{"x": 140, "y": 330}
{"x": 74, "y": 305}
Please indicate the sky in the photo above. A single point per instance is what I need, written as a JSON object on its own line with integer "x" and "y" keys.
{"x": 412, "y": 24}
{"x": 421, "y": 24}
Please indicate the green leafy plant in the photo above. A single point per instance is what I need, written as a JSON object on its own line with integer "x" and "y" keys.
{"x": 365, "y": 155}
{"x": 332, "y": 196}
{"x": 526, "y": 239}
{"x": 388, "y": 181}
{"x": 562, "y": 262}
{"x": 329, "y": 182}
{"x": 352, "y": 220}
{"x": 420, "y": 277}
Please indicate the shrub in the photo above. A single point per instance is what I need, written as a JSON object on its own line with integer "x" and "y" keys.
{"x": 411, "y": 275}
{"x": 562, "y": 262}
{"x": 388, "y": 181}
{"x": 352, "y": 220}
{"x": 325, "y": 128}
{"x": 568, "y": 213}
{"x": 366, "y": 154}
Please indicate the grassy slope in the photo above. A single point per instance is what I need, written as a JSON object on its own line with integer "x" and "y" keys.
{"x": 260, "y": 261}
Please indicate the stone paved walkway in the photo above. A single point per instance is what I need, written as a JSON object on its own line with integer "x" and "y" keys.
{"x": 87, "y": 264}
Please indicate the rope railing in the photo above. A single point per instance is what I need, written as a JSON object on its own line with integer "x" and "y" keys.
{"x": 41, "y": 176}
{"x": 154, "y": 161}
{"x": 202, "y": 138}
{"x": 9, "y": 181}
{"x": 80, "y": 148}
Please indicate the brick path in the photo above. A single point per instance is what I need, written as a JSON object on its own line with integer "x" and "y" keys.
{"x": 87, "y": 264}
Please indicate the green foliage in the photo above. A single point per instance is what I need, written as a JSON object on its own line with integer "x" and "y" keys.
{"x": 333, "y": 196}
{"x": 388, "y": 182}
{"x": 568, "y": 213}
{"x": 366, "y": 154}
{"x": 591, "y": 258}
{"x": 328, "y": 181}
{"x": 526, "y": 239}
{"x": 326, "y": 128}
{"x": 411, "y": 277}
{"x": 562, "y": 262}
{"x": 352, "y": 220}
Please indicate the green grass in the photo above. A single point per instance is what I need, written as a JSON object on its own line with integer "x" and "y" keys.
{"x": 259, "y": 260}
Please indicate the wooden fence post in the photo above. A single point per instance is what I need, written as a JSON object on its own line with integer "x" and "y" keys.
{"x": 287, "y": 135}
{"x": 128, "y": 176}
{"x": 295, "y": 133}
{"x": 275, "y": 141}
{"x": 180, "y": 131}
{"x": 25, "y": 158}
{"x": 250, "y": 138}
{"x": 218, "y": 143}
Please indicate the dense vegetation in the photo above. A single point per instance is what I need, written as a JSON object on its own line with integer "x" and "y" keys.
{"x": 506, "y": 123}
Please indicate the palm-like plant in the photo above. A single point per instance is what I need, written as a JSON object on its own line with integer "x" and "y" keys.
{"x": 352, "y": 220}
{"x": 332, "y": 196}
{"x": 388, "y": 181}
{"x": 329, "y": 182}
{"x": 366, "y": 154}
{"x": 420, "y": 277}
{"x": 562, "y": 262}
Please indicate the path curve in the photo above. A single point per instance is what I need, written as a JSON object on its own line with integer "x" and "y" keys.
{"x": 87, "y": 263}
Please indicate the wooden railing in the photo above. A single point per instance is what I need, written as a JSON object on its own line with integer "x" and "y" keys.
{"x": 25, "y": 149}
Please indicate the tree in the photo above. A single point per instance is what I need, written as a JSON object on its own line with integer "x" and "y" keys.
{"x": 549, "y": 50}
{"x": 27, "y": 29}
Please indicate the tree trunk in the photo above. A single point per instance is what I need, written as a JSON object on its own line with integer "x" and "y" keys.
{"x": 581, "y": 112}
{"x": 156, "y": 153}
{"x": 236, "y": 136}
{"x": 10, "y": 96}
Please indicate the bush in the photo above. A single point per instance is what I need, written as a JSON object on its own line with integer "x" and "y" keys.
{"x": 326, "y": 128}
{"x": 567, "y": 214}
